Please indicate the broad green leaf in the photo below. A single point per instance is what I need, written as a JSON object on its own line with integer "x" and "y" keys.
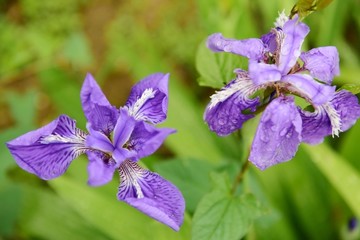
{"x": 221, "y": 215}
{"x": 344, "y": 178}
{"x": 351, "y": 87}
{"x": 216, "y": 69}
{"x": 191, "y": 176}
{"x": 117, "y": 219}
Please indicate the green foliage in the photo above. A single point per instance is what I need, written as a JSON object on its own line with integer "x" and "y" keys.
{"x": 213, "y": 67}
{"x": 222, "y": 215}
{"x": 47, "y": 47}
{"x": 305, "y": 7}
{"x": 351, "y": 87}
{"x": 191, "y": 176}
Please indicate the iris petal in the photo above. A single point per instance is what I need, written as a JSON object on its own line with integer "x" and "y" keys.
{"x": 262, "y": 73}
{"x": 146, "y": 139}
{"x": 295, "y": 33}
{"x": 224, "y": 112}
{"x": 308, "y": 88}
{"x": 151, "y": 194}
{"x": 48, "y": 151}
{"x": 348, "y": 108}
{"x": 148, "y": 100}
{"x": 322, "y": 63}
{"x": 251, "y": 48}
{"x": 97, "y": 109}
{"x": 316, "y": 125}
{"x": 278, "y": 134}
{"x": 101, "y": 168}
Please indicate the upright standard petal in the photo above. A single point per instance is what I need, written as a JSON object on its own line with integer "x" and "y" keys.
{"x": 224, "y": 113}
{"x": 148, "y": 100}
{"x": 306, "y": 87}
{"x": 48, "y": 151}
{"x": 151, "y": 194}
{"x": 101, "y": 168}
{"x": 252, "y": 48}
{"x": 97, "y": 109}
{"x": 295, "y": 33}
{"x": 322, "y": 63}
{"x": 278, "y": 135}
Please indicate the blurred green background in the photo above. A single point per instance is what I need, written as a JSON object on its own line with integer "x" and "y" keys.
{"x": 46, "y": 49}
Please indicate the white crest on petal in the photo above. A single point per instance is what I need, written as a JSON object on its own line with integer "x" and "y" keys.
{"x": 146, "y": 95}
{"x": 243, "y": 85}
{"x": 281, "y": 19}
{"x": 334, "y": 118}
{"x": 130, "y": 174}
{"x": 79, "y": 138}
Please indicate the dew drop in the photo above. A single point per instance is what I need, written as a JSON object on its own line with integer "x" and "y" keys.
{"x": 289, "y": 134}
{"x": 283, "y": 132}
{"x": 264, "y": 137}
{"x": 221, "y": 121}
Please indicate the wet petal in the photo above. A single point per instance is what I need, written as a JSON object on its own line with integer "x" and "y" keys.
{"x": 270, "y": 43}
{"x": 316, "y": 125}
{"x": 100, "y": 168}
{"x": 262, "y": 73}
{"x": 295, "y": 33}
{"x": 333, "y": 117}
{"x": 322, "y": 63}
{"x": 148, "y": 100}
{"x": 308, "y": 88}
{"x": 347, "y": 106}
{"x": 278, "y": 135}
{"x": 151, "y": 194}
{"x": 251, "y": 48}
{"x": 48, "y": 151}
{"x": 224, "y": 112}
{"x": 146, "y": 139}
{"x": 97, "y": 109}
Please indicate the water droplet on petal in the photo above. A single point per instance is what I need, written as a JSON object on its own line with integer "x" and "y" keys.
{"x": 283, "y": 132}
{"x": 221, "y": 121}
{"x": 264, "y": 137}
{"x": 289, "y": 134}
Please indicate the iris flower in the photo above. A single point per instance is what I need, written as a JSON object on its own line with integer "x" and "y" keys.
{"x": 116, "y": 140}
{"x": 277, "y": 65}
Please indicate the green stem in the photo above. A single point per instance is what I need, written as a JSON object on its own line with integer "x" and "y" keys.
{"x": 240, "y": 175}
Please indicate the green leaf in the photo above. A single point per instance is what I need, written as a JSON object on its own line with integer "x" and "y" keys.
{"x": 46, "y": 216}
{"x": 344, "y": 178}
{"x": 64, "y": 90}
{"x": 117, "y": 219}
{"x": 221, "y": 215}
{"x": 306, "y": 7}
{"x": 77, "y": 50}
{"x": 10, "y": 196}
{"x": 216, "y": 69}
{"x": 354, "y": 88}
{"x": 191, "y": 176}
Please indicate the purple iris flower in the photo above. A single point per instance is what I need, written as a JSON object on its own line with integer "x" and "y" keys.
{"x": 277, "y": 64}
{"x": 116, "y": 140}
